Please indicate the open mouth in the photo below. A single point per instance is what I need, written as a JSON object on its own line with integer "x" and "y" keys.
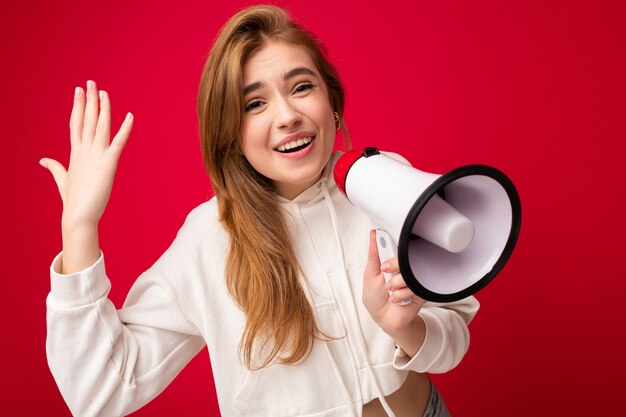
{"x": 295, "y": 145}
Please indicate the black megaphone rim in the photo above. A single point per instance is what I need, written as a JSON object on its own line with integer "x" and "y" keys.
{"x": 406, "y": 232}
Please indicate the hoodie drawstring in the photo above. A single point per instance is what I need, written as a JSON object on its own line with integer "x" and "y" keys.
{"x": 361, "y": 341}
{"x": 342, "y": 384}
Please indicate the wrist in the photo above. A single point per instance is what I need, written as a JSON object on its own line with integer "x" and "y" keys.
{"x": 75, "y": 224}
{"x": 410, "y": 336}
{"x": 80, "y": 246}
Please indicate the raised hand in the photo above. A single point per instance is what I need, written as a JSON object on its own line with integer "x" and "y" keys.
{"x": 86, "y": 185}
{"x": 399, "y": 321}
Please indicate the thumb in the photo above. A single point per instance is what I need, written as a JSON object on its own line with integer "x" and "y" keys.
{"x": 372, "y": 268}
{"x": 58, "y": 171}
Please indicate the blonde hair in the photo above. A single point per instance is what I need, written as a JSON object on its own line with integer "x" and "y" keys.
{"x": 262, "y": 273}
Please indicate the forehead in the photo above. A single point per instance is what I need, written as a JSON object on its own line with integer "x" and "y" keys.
{"x": 274, "y": 59}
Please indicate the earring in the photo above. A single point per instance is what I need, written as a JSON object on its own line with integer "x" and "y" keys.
{"x": 337, "y": 120}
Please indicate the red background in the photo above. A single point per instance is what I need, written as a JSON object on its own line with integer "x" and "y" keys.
{"x": 535, "y": 88}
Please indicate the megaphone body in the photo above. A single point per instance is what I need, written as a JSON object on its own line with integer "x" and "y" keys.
{"x": 452, "y": 233}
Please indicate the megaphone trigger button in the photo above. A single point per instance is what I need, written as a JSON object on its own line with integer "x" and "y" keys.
{"x": 367, "y": 152}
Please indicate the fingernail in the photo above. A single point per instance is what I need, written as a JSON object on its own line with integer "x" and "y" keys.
{"x": 101, "y": 94}
{"x": 129, "y": 116}
{"x": 388, "y": 286}
{"x": 384, "y": 267}
{"x": 43, "y": 163}
{"x": 391, "y": 296}
{"x": 90, "y": 85}
{"x": 78, "y": 92}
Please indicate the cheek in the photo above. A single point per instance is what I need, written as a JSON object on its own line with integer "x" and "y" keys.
{"x": 324, "y": 117}
{"x": 328, "y": 114}
{"x": 254, "y": 135}
{"x": 329, "y": 125}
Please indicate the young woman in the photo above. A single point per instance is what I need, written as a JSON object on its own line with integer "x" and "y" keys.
{"x": 278, "y": 274}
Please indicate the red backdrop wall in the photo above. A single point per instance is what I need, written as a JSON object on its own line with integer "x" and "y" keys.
{"x": 535, "y": 88}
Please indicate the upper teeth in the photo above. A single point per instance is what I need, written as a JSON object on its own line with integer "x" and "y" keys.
{"x": 294, "y": 143}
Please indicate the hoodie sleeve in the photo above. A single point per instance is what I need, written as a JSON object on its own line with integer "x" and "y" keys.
{"x": 447, "y": 337}
{"x": 108, "y": 362}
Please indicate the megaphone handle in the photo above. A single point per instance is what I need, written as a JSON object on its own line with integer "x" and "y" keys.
{"x": 387, "y": 249}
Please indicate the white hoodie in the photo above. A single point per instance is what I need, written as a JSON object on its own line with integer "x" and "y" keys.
{"x": 110, "y": 362}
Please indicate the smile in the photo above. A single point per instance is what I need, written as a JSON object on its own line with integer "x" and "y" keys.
{"x": 295, "y": 145}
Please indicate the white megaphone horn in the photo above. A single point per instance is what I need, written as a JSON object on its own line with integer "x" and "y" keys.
{"x": 452, "y": 233}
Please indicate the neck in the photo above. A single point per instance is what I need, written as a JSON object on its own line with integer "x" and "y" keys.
{"x": 291, "y": 191}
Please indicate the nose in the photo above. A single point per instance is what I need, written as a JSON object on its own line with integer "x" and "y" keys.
{"x": 287, "y": 116}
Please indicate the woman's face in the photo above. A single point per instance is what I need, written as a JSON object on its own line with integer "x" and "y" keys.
{"x": 289, "y": 126}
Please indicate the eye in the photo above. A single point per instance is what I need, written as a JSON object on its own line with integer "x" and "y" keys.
{"x": 253, "y": 105}
{"x": 303, "y": 87}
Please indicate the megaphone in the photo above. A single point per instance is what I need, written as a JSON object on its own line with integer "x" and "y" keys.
{"x": 452, "y": 233}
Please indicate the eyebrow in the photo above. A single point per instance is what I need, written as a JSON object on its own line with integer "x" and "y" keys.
{"x": 286, "y": 76}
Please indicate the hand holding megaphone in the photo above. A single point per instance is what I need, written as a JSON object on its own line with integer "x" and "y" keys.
{"x": 387, "y": 249}
{"x": 452, "y": 233}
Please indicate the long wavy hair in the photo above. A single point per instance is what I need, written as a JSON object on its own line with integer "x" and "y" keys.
{"x": 262, "y": 272}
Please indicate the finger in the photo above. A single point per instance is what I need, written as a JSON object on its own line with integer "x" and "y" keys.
{"x": 58, "y": 171}
{"x": 399, "y": 296}
{"x": 372, "y": 268}
{"x": 76, "y": 118}
{"x": 120, "y": 139}
{"x": 391, "y": 266}
{"x": 396, "y": 282}
{"x": 91, "y": 112}
{"x": 103, "y": 129}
